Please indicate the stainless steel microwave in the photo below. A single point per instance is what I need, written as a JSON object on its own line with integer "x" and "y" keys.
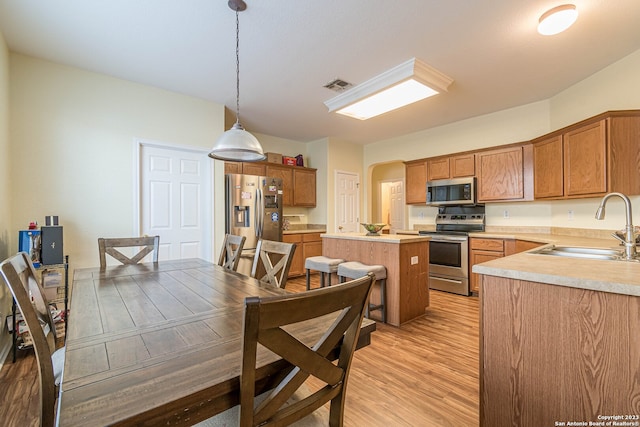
{"x": 457, "y": 191}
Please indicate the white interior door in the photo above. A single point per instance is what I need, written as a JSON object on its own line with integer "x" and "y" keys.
{"x": 396, "y": 206}
{"x": 176, "y": 199}
{"x": 347, "y": 202}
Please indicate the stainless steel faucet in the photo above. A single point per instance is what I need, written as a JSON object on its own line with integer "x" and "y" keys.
{"x": 630, "y": 237}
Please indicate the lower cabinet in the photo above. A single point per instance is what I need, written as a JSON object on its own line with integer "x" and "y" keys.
{"x": 482, "y": 250}
{"x": 297, "y": 264}
{"x": 485, "y": 249}
{"x": 307, "y": 245}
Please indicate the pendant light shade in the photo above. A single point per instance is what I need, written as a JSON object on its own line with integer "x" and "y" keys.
{"x": 237, "y": 144}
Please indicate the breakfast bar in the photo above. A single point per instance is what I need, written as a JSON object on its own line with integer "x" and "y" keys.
{"x": 406, "y": 258}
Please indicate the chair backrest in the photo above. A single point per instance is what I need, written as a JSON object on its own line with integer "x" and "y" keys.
{"x": 231, "y": 250}
{"x": 20, "y": 276}
{"x": 149, "y": 245}
{"x": 264, "y": 319}
{"x": 272, "y": 261}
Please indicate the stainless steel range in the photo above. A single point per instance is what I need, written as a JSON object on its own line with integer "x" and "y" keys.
{"x": 449, "y": 247}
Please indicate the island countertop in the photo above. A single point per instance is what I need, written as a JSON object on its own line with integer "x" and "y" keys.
{"x": 382, "y": 238}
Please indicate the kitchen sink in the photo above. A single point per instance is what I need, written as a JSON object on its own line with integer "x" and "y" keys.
{"x": 582, "y": 252}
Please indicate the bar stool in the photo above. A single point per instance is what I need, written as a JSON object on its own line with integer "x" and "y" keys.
{"x": 322, "y": 264}
{"x": 355, "y": 270}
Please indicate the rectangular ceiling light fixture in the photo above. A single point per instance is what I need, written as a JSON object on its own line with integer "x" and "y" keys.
{"x": 402, "y": 85}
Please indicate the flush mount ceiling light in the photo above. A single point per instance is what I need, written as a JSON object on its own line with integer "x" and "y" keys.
{"x": 237, "y": 144}
{"x": 557, "y": 20}
{"x": 402, "y": 85}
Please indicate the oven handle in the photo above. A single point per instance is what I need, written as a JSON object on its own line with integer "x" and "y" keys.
{"x": 449, "y": 239}
{"x": 444, "y": 279}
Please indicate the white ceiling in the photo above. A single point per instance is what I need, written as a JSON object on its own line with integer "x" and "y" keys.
{"x": 290, "y": 48}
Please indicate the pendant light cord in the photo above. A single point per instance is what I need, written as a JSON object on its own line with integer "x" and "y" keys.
{"x": 237, "y": 67}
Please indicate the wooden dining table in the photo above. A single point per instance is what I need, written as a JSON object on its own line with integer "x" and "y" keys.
{"x": 160, "y": 344}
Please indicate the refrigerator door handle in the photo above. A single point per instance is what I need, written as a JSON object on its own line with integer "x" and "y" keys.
{"x": 259, "y": 213}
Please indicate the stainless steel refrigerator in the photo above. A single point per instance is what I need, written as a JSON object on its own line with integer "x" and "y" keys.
{"x": 253, "y": 210}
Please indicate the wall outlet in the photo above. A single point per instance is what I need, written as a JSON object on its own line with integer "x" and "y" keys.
{"x": 414, "y": 260}
{"x": 570, "y": 215}
{"x": 505, "y": 214}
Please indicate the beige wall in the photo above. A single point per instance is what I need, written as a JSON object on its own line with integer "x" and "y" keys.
{"x": 72, "y": 134}
{"x": 614, "y": 87}
{"x": 6, "y": 230}
{"x": 342, "y": 156}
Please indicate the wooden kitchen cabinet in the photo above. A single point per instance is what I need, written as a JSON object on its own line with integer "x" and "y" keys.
{"x": 572, "y": 163}
{"x": 304, "y": 187}
{"x": 286, "y": 174}
{"x": 451, "y": 167}
{"x": 505, "y": 174}
{"x": 438, "y": 168}
{"x": 590, "y": 158}
{"x": 258, "y": 169}
{"x": 416, "y": 182}
{"x": 482, "y": 250}
{"x": 232, "y": 167}
{"x": 485, "y": 249}
{"x": 297, "y": 263}
{"x": 298, "y": 183}
{"x": 548, "y": 172}
{"x": 307, "y": 245}
{"x": 245, "y": 168}
{"x": 311, "y": 245}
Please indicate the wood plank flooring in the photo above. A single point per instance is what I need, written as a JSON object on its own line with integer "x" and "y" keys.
{"x": 422, "y": 374}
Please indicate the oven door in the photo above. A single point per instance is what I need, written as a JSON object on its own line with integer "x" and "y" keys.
{"x": 449, "y": 264}
{"x": 449, "y": 256}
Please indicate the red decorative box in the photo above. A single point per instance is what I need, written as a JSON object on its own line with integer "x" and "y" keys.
{"x": 288, "y": 160}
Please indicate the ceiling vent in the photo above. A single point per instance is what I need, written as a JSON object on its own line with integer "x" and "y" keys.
{"x": 338, "y": 85}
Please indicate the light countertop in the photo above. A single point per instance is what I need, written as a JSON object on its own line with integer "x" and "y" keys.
{"x": 382, "y": 238}
{"x": 621, "y": 277}
{"x": 303, "y": 231}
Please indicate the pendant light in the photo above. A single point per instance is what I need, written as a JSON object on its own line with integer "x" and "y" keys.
{"x": 237, "y": 144}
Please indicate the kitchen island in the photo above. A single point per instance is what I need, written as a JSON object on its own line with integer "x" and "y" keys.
{"x": 406, "y": 258}
{"x": 558, "y": 341}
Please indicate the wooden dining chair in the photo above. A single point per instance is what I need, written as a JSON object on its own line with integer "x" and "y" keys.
{"x": 272, "y": 322}
{"x": 231, "y": 250}
{"x": 272, "y": 261}
{"x": 20, "y": 276}
{"x": 148, "y": 244}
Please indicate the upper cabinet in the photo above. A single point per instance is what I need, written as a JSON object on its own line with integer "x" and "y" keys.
{"x": 304, "y": 187}
{"x": 591, "y": 158}
{"x": 451, "y": 167}
{"x": 548, "y": 172}
{"x": 244, "y": 168}
{"x": 416, "y": 182}
{"x": 505, "y": 174}
{"x": 286, "y": 174}
{"x": 298, "y": 183}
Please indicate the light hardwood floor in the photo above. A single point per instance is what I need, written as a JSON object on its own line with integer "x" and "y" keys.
{"x": 422, "y": 374}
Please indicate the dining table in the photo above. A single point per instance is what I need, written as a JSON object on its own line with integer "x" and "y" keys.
{"x": 161, "y": 343}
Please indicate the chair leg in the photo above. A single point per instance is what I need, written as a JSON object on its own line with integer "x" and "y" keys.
{"x": 322, "y": 279}
{"x": 383, "y": 299}
{"x": 329, "y": 274}
{"x": 308, "y": 280}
